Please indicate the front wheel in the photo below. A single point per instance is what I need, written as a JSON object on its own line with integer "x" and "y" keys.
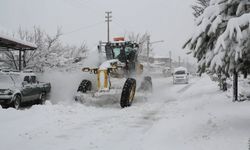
{"x": 128, "y": 93}
{"x": 84, "y": 86}
{"x": 17, "y": 102}
{"x": 146, "y": 85}
{"x": 42, "y": 98}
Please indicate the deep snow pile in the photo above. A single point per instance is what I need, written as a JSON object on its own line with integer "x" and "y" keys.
{"x": 195, "y": 116}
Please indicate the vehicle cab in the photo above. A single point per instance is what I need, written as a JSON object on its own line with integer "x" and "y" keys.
{"x": 180, "y": 75}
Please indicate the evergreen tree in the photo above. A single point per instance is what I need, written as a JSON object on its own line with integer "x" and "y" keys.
{"x": 199, "y": 7}
{"x": 221, "y": 40}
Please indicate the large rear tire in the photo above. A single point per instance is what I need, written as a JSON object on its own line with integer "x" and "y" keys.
{"x": 128, "y": 93}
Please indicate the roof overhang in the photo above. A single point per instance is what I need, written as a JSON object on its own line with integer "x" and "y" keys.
{"x": 15, "y": 44}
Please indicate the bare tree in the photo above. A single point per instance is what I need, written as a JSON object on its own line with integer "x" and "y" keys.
{"x": 142, "y": 39}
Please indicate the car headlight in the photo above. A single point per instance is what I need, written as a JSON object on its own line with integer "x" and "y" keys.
{"x": 8, "y": 92}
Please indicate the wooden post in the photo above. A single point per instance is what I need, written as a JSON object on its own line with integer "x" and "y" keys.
{"x": 235, "y": 86}
{"x": 20, "y": 60}
{"x": 24, "y": 60}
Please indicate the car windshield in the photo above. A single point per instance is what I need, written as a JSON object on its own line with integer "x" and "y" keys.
{"x": 180, "y": 72}
{"x": 16, "y": 78}
{"x": 5, "y": 79}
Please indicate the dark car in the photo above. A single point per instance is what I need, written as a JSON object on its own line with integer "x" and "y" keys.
{"x": 17, "y": 88}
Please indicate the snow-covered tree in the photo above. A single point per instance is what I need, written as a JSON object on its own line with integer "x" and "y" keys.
{"x": 199, "y": 7}
{"x": 221, "y": 40}
{"x": 50, "y": 51}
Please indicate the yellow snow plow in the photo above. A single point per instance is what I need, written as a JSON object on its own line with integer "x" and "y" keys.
{"x": 117, "y": 74}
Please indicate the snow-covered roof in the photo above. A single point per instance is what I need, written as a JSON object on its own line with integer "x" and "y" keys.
{"x": 10, "y": 42}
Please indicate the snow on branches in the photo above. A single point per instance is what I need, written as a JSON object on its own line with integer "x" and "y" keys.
{"x": 221, "y": 38}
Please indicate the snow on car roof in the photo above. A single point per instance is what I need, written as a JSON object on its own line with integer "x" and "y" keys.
{"x": 180, "y": 68}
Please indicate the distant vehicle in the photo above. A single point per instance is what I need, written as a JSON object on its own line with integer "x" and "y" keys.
{"x": 180, "y": 75}
{"x": 20, "y": 87}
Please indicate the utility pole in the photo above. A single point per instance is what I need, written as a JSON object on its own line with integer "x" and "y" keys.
{"x": 170, "y": 57}
{"x": 148, "y": 49}
{"x": 108, "y": 20}
{"x": 179, "y": 61}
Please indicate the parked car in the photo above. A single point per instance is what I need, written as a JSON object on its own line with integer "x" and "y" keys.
{"x": 180, "y": 75}
{"x": 20, "y": 87}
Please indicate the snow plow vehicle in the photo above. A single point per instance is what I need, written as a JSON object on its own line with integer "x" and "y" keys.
{"x": 119, "y": 73}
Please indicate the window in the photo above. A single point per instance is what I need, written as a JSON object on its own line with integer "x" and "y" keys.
{"x": 116, "y": 52}
{"x": 180, "y": 72}
{"x": 27, "y": 79}
{"x": 33, "y": 79}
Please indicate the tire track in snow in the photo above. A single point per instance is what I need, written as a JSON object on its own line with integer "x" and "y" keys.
{"x": 157, "y": 109}
{"x": 185, "y": 88}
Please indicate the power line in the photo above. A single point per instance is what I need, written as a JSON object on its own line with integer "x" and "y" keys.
{"x": 84, "y": 28}
{"x": 120, "y": 22}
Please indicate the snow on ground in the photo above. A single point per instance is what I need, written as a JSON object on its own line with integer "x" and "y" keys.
{"x": 193, "y": 116}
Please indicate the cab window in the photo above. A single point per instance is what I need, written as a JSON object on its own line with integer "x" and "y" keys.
{"x": 33, "y": 79}
{"x": 116, "y": 52}
{"x": 27, "y": 79}
{"x": 180, "y": 72}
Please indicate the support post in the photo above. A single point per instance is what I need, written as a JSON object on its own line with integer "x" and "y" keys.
{"x": 235, "y": 86}
{"x": 20, "y": 60}
{"x": 24, "y": 60}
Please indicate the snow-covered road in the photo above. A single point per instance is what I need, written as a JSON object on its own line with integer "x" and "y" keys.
{"x": 184, "y": 116}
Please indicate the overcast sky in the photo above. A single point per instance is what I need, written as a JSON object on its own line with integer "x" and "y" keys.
{"x": 83, "y": 20}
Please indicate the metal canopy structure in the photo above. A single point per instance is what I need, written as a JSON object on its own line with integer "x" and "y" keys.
{"x": 7, "y": 43}
{"x": 11, "y": 44}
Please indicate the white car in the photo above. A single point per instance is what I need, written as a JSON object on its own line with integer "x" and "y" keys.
{"x": 180, "y": 75}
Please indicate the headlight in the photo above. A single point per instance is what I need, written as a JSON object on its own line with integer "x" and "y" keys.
{"x": 8, "y": 92}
